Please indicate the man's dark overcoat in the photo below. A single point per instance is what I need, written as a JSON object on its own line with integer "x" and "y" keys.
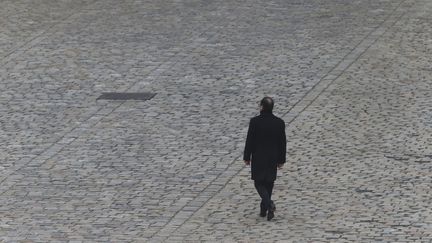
{"x": 265, "y": 146}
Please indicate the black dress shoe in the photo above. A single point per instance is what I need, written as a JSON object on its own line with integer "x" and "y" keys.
{"x": 271, "y": 210}
{"x": 270, "y": 215}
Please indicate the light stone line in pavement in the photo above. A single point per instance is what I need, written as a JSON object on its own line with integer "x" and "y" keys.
{"x": 69, "y": 136}
{"x": 221, "y": 181}
{"x": 73, "y": 133}
{"x": 16, "y": 52}
{"x": 39, "y": 36}
{"x": 338, "y": 233}
{"x": 66, "y": 139}
{"x": 344, "y": 64}
{"x": 55, "y": 148}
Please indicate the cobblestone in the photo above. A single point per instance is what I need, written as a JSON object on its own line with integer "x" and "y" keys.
{"x": 352, "y": 81}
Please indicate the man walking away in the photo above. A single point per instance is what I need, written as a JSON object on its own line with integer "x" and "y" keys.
{"x": 265, "y": 151}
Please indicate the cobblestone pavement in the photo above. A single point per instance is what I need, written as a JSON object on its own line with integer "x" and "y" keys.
{"x": 352, "y": 79}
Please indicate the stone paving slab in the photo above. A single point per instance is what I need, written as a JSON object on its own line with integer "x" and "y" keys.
{"x": 350, "y": 79}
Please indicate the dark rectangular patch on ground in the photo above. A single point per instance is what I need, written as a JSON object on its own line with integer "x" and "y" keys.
{"x": 126, "y": 96}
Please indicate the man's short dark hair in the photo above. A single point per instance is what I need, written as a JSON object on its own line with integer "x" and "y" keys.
{"x": 267, "y": 104}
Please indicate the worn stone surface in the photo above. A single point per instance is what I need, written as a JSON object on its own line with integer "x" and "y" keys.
{"x": 352, "y": 81}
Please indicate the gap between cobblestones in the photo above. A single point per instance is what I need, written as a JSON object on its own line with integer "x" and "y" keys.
{"x": 169, "y": 228}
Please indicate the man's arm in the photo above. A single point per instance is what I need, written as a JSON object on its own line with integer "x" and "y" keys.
{"x": 249, "y": 144}
{"x": 282, "y": 144}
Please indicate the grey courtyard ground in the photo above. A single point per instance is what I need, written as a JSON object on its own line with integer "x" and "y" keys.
{"x": 352, "y": 79}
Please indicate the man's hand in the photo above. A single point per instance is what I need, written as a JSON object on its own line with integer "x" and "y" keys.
{"x": 247, "y": 162}
{"x": 280, "y": 166}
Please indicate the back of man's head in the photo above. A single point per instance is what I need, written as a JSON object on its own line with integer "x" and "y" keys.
{"x": 267, "y": 104}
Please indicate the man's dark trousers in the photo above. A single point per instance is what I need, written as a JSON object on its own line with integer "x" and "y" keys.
{"x": 264, "y": 189}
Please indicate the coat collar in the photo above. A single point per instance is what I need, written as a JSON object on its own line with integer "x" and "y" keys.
{"x": 266, "y": 113}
